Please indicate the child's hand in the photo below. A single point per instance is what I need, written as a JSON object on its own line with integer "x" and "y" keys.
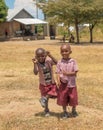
{"x": 58, "y": 84}
{"x": 34, "y": 60}
{"x": 64, "y": 73}
{"x": 48, "y": 53}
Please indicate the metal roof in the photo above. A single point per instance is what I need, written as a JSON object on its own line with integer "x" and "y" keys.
{"x": 29, "y": 21}
{"x": 13, "y": 12}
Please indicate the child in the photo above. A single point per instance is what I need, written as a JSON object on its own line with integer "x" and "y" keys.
{"x": 71, "y": 39}
{"x": 66, "y": 78}
{"x": 64, "y": 37}
{"x": 43, "y": 63}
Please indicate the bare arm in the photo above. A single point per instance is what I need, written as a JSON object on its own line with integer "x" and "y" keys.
{"x": 70, "y": 73}
{"x": 54, "y": 60}
{"x": 35, "y": 70}
{"x": 58, "y": 79}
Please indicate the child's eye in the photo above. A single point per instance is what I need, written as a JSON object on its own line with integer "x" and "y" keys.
{"x": 66, "y": 51}
{"x": 42, "y": 56}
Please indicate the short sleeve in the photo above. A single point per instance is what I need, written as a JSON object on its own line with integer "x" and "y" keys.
{"x": 58, "y": 70}
{"x": 75, "y": 66}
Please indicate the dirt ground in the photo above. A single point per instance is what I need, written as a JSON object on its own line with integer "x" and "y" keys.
{"x": 19, "y": 94}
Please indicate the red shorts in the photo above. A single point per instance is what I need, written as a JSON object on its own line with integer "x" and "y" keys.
{"x": 48, "y": 90}
{"x": 67, "y": 96}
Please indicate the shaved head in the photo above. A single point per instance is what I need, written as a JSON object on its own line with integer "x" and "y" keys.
{"x": 65, "y": 46}
{"x": 39, "y": 51}
{"x": 40, "y": 55}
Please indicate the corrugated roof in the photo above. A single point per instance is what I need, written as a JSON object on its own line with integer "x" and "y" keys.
{"x": 29, "y": 21}
{"x": 13, "y": 12}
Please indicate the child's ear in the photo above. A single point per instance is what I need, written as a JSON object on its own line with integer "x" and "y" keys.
{"x": 46, "y": 53}
{"x": 70, "y": 52}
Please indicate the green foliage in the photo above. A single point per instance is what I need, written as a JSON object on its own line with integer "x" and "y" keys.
{"x": 100, "y": 26}
{"x": 62, "y": 31}
{"x": 3, "y": 11}
{"x": 40, "y": 29}
{"x": 66, "y": 10}
{"x": 41, "y": 1}
{"x": 75, "y": 12}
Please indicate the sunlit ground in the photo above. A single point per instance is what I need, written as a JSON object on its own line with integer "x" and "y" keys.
{"x": 19, "y": 93}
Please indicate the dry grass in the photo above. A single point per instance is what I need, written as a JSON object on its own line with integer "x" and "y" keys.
{"x": 19, "y": 93}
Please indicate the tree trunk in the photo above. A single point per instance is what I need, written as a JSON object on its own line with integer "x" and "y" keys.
{"x": 91, "y": 35}
{"x": 68, "y": 29}
{"x": 91, "y": 26}
{"x": 77, "y": 30}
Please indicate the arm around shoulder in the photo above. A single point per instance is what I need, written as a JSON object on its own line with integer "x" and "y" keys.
{"x": 50, "y": 56}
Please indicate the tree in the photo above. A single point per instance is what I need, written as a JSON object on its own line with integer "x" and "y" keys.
{"x": 72, "y": 12}
{"x": 94, "y": 16}
{"x": 3, "y": 11}
{"x": 67, "y": 11}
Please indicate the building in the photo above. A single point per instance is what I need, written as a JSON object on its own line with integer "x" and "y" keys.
{"x": 21, "y": 22}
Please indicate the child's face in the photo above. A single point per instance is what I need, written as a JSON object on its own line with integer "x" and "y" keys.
{"x": 41, "y": 56}
{"x": 65, "y": 51}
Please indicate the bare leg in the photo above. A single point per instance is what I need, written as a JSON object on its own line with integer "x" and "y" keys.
{"x": 74, "y": 113}
{"x": 73, "y": 108}
{"x": 65, "y": 113}
{"x": 64, "y": 109}
{"x": 46, "y": 107}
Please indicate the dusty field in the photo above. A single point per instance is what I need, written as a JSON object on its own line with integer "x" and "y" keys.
{"x": 19, "y": 93}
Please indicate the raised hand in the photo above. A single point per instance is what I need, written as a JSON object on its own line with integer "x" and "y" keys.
{"x": 34, "y": 60}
